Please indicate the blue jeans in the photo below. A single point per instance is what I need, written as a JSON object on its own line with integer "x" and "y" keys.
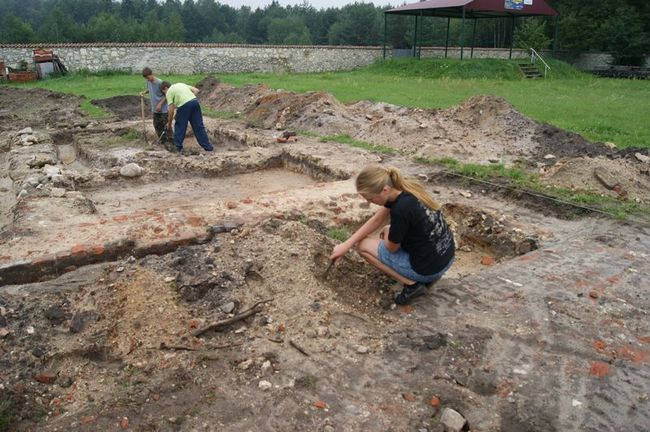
{"x": 190, "y": 112}
{"x": 401, "y": 263}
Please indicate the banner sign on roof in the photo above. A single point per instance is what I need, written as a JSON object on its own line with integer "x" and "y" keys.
{"x": 514, "y": 4}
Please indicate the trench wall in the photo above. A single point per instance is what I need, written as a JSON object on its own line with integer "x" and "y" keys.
{"x": 166, "y": 58}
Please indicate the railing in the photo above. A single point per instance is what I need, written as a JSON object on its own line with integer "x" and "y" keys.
{"x": 534, "y": 55}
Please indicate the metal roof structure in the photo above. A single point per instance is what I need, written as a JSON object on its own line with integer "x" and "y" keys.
{"x": 469, "y": 9}
{"x": 476, "y": 8}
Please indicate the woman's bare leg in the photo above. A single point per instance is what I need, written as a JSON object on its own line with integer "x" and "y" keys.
{"x": 367, "y": 248}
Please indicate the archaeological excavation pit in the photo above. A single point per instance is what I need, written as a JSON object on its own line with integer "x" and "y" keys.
{"x": 111, "y": 285}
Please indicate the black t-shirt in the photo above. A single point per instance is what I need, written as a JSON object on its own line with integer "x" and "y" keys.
{"x": 421, "y": 232}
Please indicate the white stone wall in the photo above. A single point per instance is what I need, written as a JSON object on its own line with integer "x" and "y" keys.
{"x": 192, "y": 58}
{"x": 204, "y": 58}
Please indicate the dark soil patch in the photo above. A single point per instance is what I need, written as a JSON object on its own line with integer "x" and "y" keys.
{"x": 125, "y": 107}
{"x": 20, "y": 108}
{"x": 565, "y": 144}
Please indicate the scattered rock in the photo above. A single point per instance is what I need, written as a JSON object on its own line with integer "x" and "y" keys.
{"x": 38, "y": 352}
{"x": 245, "y": 365}
{"x": 642, "y": 158}
{"x": 228, "y": 307}
{"x": 80, "y": 319}
{"x": 45, "y": 377}
{"x": 124, "y": 423}
{"x": 605, "y": 178}
{"x": 487, "y": 260}
{"x": 452, "y": 420}
{"x": 265, "y": 385}
{"x": 361, "y": 349}
{"x": 408, "y": 397}
{"x": 57, "y": 192}
{"x": 55, "y": 314}
{"x": 131, "y": 170}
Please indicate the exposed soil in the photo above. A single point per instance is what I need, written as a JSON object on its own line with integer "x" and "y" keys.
{"x": 110, "y": 273}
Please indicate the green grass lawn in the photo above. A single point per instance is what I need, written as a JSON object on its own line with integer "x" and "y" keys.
{"x": 600, "y": 109}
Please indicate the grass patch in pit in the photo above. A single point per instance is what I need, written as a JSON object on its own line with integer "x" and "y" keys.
{"x": 302, "y": 132}
{"x": 520, "y": 179}
{"x": 340, "y": 234}
{"x": 224, "y": 115}
{"x": 347, "y": 139}
{"x": 130, "y": 138}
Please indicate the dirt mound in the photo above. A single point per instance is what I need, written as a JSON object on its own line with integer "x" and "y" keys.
{"x": 618, "y": 178}
{"x": 208, "y": 84}
{"x": 563, "y": 144}
{"x": 223, "y": 97}
{"x": 489, "y": 112}
{"x": 311, "y": 111}
{"x": 125, "y": 107}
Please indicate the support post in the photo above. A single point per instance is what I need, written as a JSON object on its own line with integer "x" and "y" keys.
{"x": 420, "y": 35}
{"x": 512, "y": 32}
{"x": 462, "y": 35}
{"x": 384, "y": 43}
{"x": 447, "y": 41}
{"x": 471, "y": 55}
{"x": 415, "y": 35}
{"x": 557, "y": 29}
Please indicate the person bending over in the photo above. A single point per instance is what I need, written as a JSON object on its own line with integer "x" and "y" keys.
{"x": 183, "y": 105}
{"x": 158, "y": 105}
{"x": 417, "y": 248}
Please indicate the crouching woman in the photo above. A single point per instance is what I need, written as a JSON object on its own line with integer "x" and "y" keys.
{"x": 417, "y": 248}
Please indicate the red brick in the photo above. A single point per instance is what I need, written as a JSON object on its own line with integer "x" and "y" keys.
{"x": 599, "y": 369}
{"x": 487, "y": 260}
{"x": 45, "y": 377}
{"x": 78, "y": 249}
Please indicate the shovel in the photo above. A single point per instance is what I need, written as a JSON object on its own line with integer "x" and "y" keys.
{"x": 144, "y": 126}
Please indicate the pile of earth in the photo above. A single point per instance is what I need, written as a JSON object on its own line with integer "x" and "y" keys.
{"x": 481, "y": 130}
{"x": 484, "y": 129}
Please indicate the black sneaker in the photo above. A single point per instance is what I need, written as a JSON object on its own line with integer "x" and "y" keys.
{"x": 409, "y": 292}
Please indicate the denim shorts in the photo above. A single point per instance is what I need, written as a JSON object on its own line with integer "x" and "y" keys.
{"x": 400, "y": 262}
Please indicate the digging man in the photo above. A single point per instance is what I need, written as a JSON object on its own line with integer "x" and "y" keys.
{"x": 158, "y": 106}
{"x": 182, "y": 102}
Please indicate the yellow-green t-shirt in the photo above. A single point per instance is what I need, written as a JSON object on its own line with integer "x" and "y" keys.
{"x": 179, "y": 94}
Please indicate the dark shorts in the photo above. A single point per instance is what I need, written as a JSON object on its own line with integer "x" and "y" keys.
{"x": 401, "y": 263}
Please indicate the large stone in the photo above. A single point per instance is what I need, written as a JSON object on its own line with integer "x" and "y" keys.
{"x": 131, "y": 170}
{"x": 452, "y": 420}
{"x": 642, "y": 158}
{"x": 605, "y": 178}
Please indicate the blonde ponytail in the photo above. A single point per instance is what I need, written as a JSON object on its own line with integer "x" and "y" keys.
{"x": 373, "y": 178}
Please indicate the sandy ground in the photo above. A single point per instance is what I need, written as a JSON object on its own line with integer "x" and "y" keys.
{"x": 109, "y": 280}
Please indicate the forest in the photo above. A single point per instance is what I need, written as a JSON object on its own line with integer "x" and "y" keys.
{"x": 621, "y": 27}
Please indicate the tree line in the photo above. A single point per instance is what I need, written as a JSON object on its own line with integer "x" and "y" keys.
{"x": 621, "y": 27}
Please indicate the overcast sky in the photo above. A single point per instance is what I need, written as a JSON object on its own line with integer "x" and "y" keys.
{"x": 318, "y": 4}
